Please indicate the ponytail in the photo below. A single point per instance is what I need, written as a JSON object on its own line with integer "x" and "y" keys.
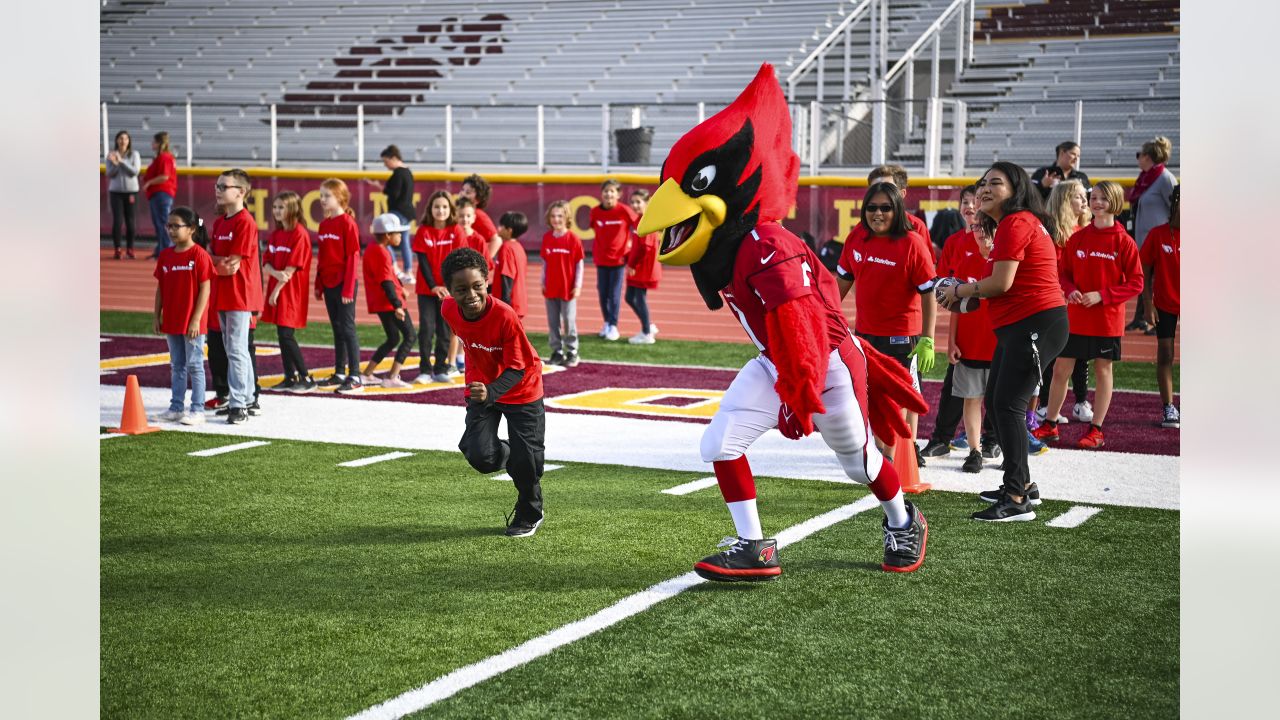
{"x": 199, "y": 233}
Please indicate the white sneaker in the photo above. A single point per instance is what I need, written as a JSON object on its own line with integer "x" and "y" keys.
{"x": 1041, "y": 413}
{"x": 371, "y": 380}
{"x": 603, "y": 331}
{"x": 195, "y": 417}
{"x": 641, "y": 339}
{"x": 1062, "y": 420}
{"x": 612, "y": 334}
{"x": 441, "y": 378}
{"x": 395, "y": 382}
{"x": 169, "y": 416}
{"x": 1083, "y": 411}
{"x": 653, "y": 329}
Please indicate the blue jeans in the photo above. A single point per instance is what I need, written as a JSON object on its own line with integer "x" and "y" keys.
{"x": 235, "y": 337}
{"x": 609, "y": 288}
{"x": 186, "y": 362}
{"x": 406, "y": 254}
{"x": 161, "y": 204}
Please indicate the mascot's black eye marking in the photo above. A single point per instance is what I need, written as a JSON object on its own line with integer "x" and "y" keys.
{"x": 704, "y": 178}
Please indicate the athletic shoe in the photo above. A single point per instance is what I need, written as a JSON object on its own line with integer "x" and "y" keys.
{"x": 303, "y": 386}
{"x": 236, "y": 416}
{"x": 641, "y": 339}
{"x": 1083, "y": 411}
{"x": 1136, "y": 324}
{"x": 990, "y": 450}
{"x": 118, "y": 255}
{"x": 653, "y": 329}
{"x": 254, "y": 409}
{"x": 571, "y": 360}
{"x": 1034, "y": 446}
{"x": 284, "y": 385}
{"x": 522, "y": 525}
{"x": 371, "y": 380}
{"x": 1092, "y": 440}
{"x": 1004, "y": 509}
{"x": 919, "y": 458}
{"x": 1033, "y": 419}
{"x": 129, "y": 254}
{"x": 1172, "y": 418}
{"x": 990, "y": 496}
{"x": 961, "y": 442}
{"x": 904, "y": 549}
{"x": 612, "y": 334}
{"x": 395, "y": 382}
{"x": 1151, "y": 330}
{"x": 195, "y": 417}
{"x": 936, "y": 448}
{"x": 1047, "y": 432}
{"x": 742, "y": 560}
{"x": 603, "y": 331}
{"x": 557, "y": 358}
{"x": 169, "y": 416}
{"x": 1043, "y": 413}
{"x": 350, "y": 386}
{"x": 217, "y": 403}
{"x": 440, "y": 378}
{"x": 973, "y": 463}
{"x": 462, "y": 366}
{"x": 332, "y": 381}
{"x": 424, "y": 378}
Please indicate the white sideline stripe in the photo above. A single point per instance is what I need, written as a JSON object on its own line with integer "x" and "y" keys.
{"x": 228, "y": 448}
{"x": 375, "y": 459}
{"x": 105, "y": 436}
{"x": 545, "y": 469}
{"x": 1074, "y": 516}
{"x": 448, "y": 685}
{"x": 694, "y": 486}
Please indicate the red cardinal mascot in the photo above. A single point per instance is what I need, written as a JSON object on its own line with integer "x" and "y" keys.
{"x": 726, "y": 186}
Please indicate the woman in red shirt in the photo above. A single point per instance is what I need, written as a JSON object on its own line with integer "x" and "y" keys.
{"x": 160, "y": 183}
{"x": 1161, "y": 257}
{"x": 336, "y": 281}
{"x": 287, "y": 265}
{"x": 1029, "y": 316}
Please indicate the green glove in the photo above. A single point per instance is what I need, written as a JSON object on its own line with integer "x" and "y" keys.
{"x": 923, "y": 353}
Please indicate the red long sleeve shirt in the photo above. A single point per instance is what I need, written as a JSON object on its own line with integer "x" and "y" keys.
{"x": 1102, "y": 260}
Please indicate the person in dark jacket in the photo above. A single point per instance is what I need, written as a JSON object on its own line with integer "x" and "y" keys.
{"x": 1065, "y": 167}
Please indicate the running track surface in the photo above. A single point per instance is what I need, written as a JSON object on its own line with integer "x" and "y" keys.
{"x": 675, "y": 306}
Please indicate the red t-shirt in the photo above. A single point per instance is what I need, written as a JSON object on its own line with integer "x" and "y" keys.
{"x": 773, "y": 266}
{"x": 560, "y": 259}
{"x": 480, "y": 244}
{"x": 289, "y": 249}
{"x": 163, "y": 164}
{"x": 180, "y": 275}
{"x": 339, "y": 254}
{"x": 889, "y": 275}
{"x": 495, "y": 343}
{"x": 956, "y": 248}
{"x": 1106, "y": 261}
{"x": 644, "y": 260}
{"x": 974, "y": 334}
{"x": 613, "y": 234}
{"x": 1021, "y": 237}
{"x": 237, "y": 235}
{"x": 511, "y": 262}
{"x": 485, "y": 228}
{"x": 436, "y": 244}
{"x": 377, "y": 268}
{"x": 1163, "y": 251}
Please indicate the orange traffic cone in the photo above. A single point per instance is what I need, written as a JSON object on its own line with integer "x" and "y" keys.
{"x": 133, "y": 421}
{"x": 904, "y": 461}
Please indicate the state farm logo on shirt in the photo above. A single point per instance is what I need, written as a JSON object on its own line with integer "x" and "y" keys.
{"x": 1103, "y": 255}
{"x": 1167, "y": 248}
{"x": 189, "y": 267}
{"x": 857, "y": 256}
{"x": 329, "y": 236}
{"x": 1080, "y": 254}
{"x": 278, "y": 248}
{"x": 602, "y": 223}
{"x": 881, "y": 261}
{"x": 562, "y": 251}
{"x": 486, "y": 348}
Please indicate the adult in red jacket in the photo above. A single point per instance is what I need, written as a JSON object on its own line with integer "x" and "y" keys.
{"x": 1162, "y": 261}
{"x": 1029, "y": 315}
{"x": 160, "y": 183}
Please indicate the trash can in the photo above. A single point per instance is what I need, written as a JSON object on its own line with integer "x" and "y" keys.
{"x": 634, "y": 145}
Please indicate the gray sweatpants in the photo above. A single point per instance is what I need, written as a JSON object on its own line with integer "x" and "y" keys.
{"x": 562, "y": 323}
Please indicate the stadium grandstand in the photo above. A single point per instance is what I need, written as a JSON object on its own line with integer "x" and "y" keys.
{"x": 943, "y": 87}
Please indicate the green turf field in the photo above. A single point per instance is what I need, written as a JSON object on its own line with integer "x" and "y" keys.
{"x": 270, "y": 583}
{"x": 1128, "y": 375}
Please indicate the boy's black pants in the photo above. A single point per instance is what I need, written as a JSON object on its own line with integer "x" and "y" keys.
{"x": 521, "y": 457}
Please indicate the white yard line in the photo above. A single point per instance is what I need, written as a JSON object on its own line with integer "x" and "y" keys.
{"x": 228, "y": 448}
{"x": 693, "y": 486}
{"x": 545, "y": 469}
{"x": 108, "y": 436}
{"x": 1074, "y": 516}
{"x": 465, "y": 677}
{"x": 375, "y": 459}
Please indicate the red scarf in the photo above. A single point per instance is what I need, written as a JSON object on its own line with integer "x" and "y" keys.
{"x": 1145, "y": 180}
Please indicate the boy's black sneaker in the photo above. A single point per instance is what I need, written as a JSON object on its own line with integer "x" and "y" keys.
{"x": 557, "y": 358}
{"x": 350, "y": 386}
{"x": 522, "y": 524}
{"x": 332, "y": 381}
{"x": 990, "y": 496}
{"x": 973, "y": 463}
{"x": 990, "y": 450}
{"x": 936, "y": 448}
{"x": 235, "y": 416}
{"x": 285, "y": 385}
{"x": 741, "y": 560}
{"x": 904, "y": 549}
{"x": 571, "y": 360}
{"x": 1006, "y": 510}
{"x": 254, "y": 408}
{"x": 303, "y": 386}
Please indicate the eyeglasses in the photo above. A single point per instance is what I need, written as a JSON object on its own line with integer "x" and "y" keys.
{"x": 220, "y": 187}
{"x": 174, "y": 226}
{"x": 886, "y": 209}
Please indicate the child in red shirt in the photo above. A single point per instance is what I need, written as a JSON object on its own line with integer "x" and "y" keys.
{"x": 971, "y": 343}
{"x": 1161, "y": 256}
{"x": 385, "y": 297}
{"x": 184, "y": 274}
{"x": 288, "y": 255}
{"x": 438, "y": 235}
{"x": 643, "y": 272}
{"x": 504, "y": 380}
{"x": 562, "y": 266}
{"x": 471, "y": 237}
{"x": 511, "y": 263}
{"x": 336, "y": 282}
{"x": 614, "y": 224}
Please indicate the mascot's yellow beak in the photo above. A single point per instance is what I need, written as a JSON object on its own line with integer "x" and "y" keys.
{"x": 686, "y": 222}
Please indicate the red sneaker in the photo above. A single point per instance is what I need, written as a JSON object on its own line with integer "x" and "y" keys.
{"x": 1092, "y": 440}
{"x": 1047, "y": 432}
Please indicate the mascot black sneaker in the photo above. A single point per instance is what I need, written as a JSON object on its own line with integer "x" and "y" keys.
{"x": 741, "y": 560}
{"x": 904, "y": 549}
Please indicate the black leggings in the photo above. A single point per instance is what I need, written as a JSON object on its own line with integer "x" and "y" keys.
{"x": 1079, "y": 382}
{"x": 218, "y": 364}
{"x": 342, "y": 316}
{"x": 122, "y": 207}
{"x": 399, "y": 332}
{"x": 294, "y": 365}
{"x": 637, "y": 298}
{"x": 435, "y": 335}
{"x": 1023, "y": 350}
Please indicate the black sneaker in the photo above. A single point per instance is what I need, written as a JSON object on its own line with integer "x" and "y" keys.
{"x": 235, "y": 416}
{"x": 571, "y": 360}
{"x": 254, "y": 408}
{"x": 1006, "y": 510}
{"x": 557, "y": 358}
{"x": 350, "y": 386}
{"x": 990, "y": 450}
{"x": 332, "y": 381}
{"x": 522, "y": 524}
{"x": 904, "y": 549}
{"x": 286, "y": 385}
{"x": 919, "y": 457}
{"x": 936, "y": 448}
{"x": 990, "y": 496}
{"x": 973, "y": 463}
{"x": 742, "y": 560}
{"x": 303, "y": 386}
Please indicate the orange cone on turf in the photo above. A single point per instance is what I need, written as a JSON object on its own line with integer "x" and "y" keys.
{"x": 133, "y": 421}
{"x": 904, "y": 461}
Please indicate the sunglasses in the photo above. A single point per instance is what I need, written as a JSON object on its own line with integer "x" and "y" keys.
{"x": 175, "y": 226}
{"x": 220, "y": 187}
{"x": 886, "y": 209}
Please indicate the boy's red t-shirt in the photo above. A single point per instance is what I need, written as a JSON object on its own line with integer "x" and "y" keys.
{"x": 613, "y": 229}
{"x": 560, "y": 258}
{"x": 1103, "y": 260}
{"x": 512, "y": 261}
{"x": 163, "y": 164}
{"x": 493, "y": 343}
{"x": 237, "y": 235}
{"x": 339, "y": 255}
{"x": 1035, "y": 288}
{"x": 1162, "y": 250}
{"x": 180, "y": 275}
{"x": 289, "y": 249}
{"x": 888, "y": 274}
{"x": 378, "y": 268}
{"x": 643, "y": 258}
{"x": 436, "y": 244}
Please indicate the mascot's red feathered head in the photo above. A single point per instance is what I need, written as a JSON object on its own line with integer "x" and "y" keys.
{"x": 725, "y": 176}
